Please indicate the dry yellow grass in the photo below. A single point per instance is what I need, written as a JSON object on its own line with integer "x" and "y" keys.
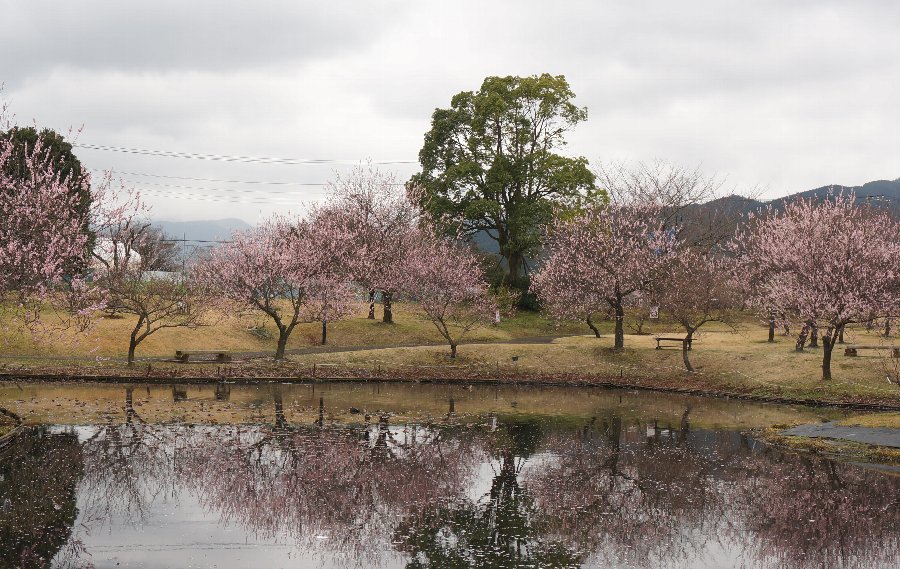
{"x": 737, "y": 362}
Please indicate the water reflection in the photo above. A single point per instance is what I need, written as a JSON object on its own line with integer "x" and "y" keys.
{"x": 38, "y": 479}
{"x": 500, "y": 491}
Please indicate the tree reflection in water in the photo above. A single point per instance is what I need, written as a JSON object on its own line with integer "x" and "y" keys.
{"x": 532, "y": 492}
{"x": 666, "y": 501}
{"x": 38, "y": 478}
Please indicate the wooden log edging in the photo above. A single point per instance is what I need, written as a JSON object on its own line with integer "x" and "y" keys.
{"x": 574, "y": 382}
{"x": 10, "y": 437}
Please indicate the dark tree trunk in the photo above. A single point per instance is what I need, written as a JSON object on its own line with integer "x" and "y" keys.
{"x": 591, "y": 325}
{"x": 371, "y": 304}
{"x": 283, "y": 334}
{"x": 828, "y": 341}
{"x": 388, "y": 317}
{"x": 620, "y": 323}
{"x": 132, "y": 344}
{"x": 887, "y": 327}
{"x": 280, "y": 421}
{"x": 814, "y": 335}
{"x": 515, "y": 261}
{"x": 685, "y": 350}
{"x": 452, "y": 351}
{"x": 801, "y": 339}
{"x": 841, "y": 334}
{"x": 771, "y": 327}
{"x": 324, "y": 331}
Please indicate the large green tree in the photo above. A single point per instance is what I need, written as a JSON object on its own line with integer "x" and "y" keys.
{"x": 489, "y": 163}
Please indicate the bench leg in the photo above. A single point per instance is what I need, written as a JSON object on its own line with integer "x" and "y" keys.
{"x": 183, "y": 359}
{"x": 850, "y": 352}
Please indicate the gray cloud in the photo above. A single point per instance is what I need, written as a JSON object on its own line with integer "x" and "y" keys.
{"x": 780, "y": 95}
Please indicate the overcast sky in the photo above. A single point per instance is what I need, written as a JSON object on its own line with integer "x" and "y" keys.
{"x": 780, "y": 96}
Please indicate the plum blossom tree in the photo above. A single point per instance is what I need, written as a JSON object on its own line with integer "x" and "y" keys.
{"x": 449, "y": 285}
{"x": 601, "y": 257}
{"x": 44, "y": 242}
{"x": 698, "y": 291}
{"x": 380, "y": 217}
{"x": 42, "y": 234}
{"x": 281, "y": 269}
{"x": 128, "y": 285}
{"x": 831, "y": 262}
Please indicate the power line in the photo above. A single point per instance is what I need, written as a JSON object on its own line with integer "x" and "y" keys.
{"x": 269, "y": 183}
{"x": 230, "y": 158}
{"x": 221, "y": 181}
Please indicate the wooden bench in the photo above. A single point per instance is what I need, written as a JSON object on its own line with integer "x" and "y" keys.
{"x": 852, "y": 350}
{"x": 660, "y": 339}
{"x": 221, "y": 355}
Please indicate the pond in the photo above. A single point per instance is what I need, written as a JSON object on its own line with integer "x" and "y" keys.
{"x": 424, "y": 476}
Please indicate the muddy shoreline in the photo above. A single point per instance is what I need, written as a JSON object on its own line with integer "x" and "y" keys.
{"x": 369, "y": 376}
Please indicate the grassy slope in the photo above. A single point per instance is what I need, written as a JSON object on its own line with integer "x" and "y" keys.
{"x": 739, "y": 362}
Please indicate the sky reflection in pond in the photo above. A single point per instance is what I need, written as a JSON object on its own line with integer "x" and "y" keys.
{"x": 609, "y": 489}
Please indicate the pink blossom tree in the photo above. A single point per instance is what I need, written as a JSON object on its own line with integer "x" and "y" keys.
{"x": 281, "y": 269}
{"x": 45, "y": 243}
{"x": 831, "y": 262}
{"x": 381, "y": 218}
{"x": 157, "y": 300}
{"x": 449, "y": 285}
{"x": 42, "y": 234}
{"x": 697, "y": 291}
{"x": 600, "y": 258}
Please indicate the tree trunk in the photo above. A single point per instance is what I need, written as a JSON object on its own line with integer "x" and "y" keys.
{"x": 515, "y": 261}
{"x": 324, "y": 331}
{"x": 388, "y": 317}
{"x": 591, "y": 325}
{"x": 887, "y": 327}
{"x": 132, "y": 344}
{"x": 771, "y": 327}
{"x": 283, "y": 335}
{"x": 828, "y": 342}
{"x": 814, "y": 334}
{"x": 620, "y": 324}
{"x": 371, "y": 304}
{"x": 841, "y": 334}
{"x": 801, "y": 339}
{"x": 452, "y": 350}
{"x": 685, "y": 350}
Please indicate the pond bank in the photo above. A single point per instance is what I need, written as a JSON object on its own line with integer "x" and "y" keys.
{"x": 683, "y": 385}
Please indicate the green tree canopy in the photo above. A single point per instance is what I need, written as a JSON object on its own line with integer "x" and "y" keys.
{"x": 489, "y": 163}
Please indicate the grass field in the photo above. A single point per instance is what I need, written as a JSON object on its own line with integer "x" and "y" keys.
{"x": 526, "y": 345}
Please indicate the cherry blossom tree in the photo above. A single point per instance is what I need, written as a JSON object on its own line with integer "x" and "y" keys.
{"x": 158, "y": 300}
{"x": 42, "y": 236}
{"x": 448, "y": 283}
{"x": 381, "y": 216}
{"x": 831, "y": 262}
{"x": 601, "y": 257}
{"x": 45, "y": 244}
{"x": 281, "y": 269}
{"x": 698, "y": 291}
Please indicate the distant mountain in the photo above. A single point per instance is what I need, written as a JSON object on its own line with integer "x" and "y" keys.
{"x": 887, "y": 190}
{"x": 202, "y": 230}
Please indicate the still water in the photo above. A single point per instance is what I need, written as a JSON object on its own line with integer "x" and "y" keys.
{"x": 424, "y": 476}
